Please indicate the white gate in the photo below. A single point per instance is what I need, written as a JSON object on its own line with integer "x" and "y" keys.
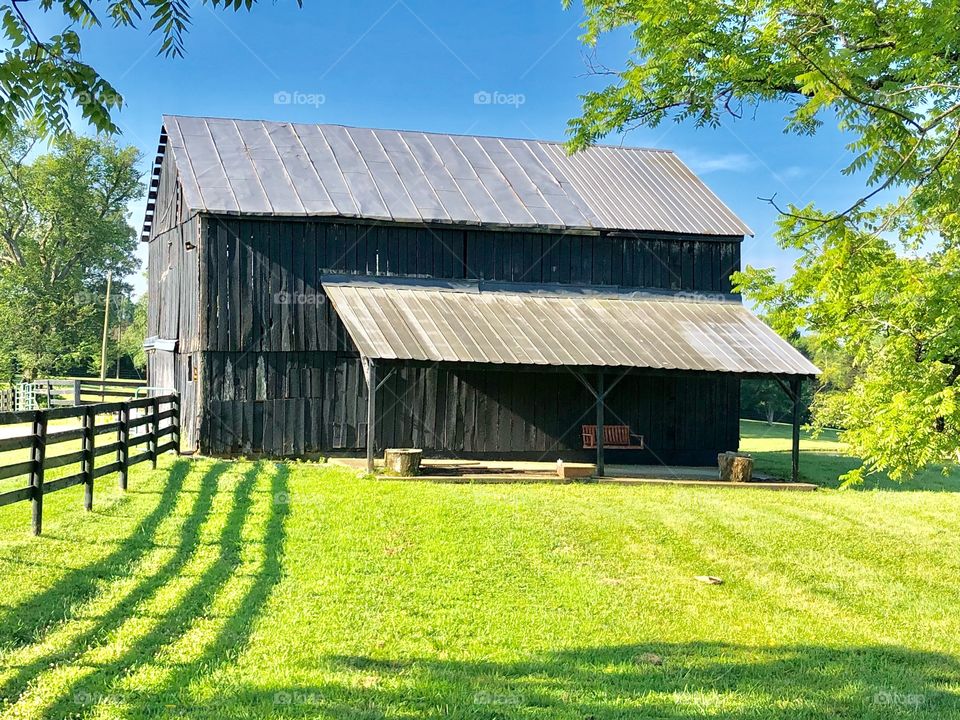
{"x": 26, "y": 397}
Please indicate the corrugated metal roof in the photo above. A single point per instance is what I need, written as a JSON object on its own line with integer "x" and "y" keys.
{"x": 254, "y": 167}
{"x": 453, "y": 321}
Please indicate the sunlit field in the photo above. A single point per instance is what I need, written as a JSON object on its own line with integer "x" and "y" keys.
{"x": 237, "y": 589}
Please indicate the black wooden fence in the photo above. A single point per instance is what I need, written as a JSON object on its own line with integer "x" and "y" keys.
{"x": 125, "y": 428}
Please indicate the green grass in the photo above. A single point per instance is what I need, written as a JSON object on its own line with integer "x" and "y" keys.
{"x": 822, "y": 460}
{"x": 241, "y": 590}
{"x": 55, "y": 447}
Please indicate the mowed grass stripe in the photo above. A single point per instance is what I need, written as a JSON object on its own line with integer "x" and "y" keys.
{"x": 784, "y": 533}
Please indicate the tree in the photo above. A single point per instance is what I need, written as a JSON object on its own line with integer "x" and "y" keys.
{"x": 134, "y": 332}
{"x": 63, "y": 225}
{"x": 41, "y": 77}
{"x": 876, "y": 281}
{"x": 764, "y": 398}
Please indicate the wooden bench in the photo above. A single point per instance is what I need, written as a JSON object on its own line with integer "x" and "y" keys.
{"x": 615, "y": 437}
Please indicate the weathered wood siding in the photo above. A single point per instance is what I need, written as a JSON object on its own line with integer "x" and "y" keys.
{"x": 173, "y": 298}
{"x": 264, "y": 292}
{"x": 315, "y": 402}
{"x": 280, "y": 375}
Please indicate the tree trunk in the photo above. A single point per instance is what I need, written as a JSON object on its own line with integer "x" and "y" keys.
{"x": 735, "y": 467}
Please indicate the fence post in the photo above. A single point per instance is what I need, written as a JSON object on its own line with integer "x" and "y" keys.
{"x": 89, "y": 419}
{"x": 49, "y": 394}
{"x": 38, "y": 453}
{"x": 76, "y": 392}
{"x": 176, "y": 421}
{"x": 155, "y": 435}
{"x": 123, "y": 436}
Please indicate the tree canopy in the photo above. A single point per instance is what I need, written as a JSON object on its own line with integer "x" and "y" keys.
{"x": 876, "y": 282}
{"x": 42, "y": 77}
{"x": 63, "y": 226}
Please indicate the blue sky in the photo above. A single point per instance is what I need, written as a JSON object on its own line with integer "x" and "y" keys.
{"x": 418, "y": 64}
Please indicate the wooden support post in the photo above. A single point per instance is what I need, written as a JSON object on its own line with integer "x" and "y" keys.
{"x": 600, "y": 401}
{"x": 155, "y": 434}
{"x": 89, "y": 418}
{"x": 370, "y": 370}
{"x": 37, "y": 455}
{"x": 175, "y": 404}
{"x": 123, "y": 437}
{"x": 106, "y": 328}
{"x": 76, "y": 392}
{"x": 795, "y": 386}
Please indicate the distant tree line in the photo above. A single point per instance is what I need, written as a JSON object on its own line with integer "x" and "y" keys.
{"x": 765, "y": 399}
{"x": 64, "y": 224}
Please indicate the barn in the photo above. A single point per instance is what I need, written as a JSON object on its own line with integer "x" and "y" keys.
{"x": 321, "y": 289}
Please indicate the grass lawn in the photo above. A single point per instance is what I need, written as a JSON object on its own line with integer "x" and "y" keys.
{"x": 246, "y": 590}
{"x": 822, "y": 460}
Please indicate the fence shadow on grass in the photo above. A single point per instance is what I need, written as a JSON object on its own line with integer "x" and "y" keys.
{"x": 122, "y": 560}
{"x": 661, "y": 680}
{"x": 234, "y": 634}
{"x": 23, "y": 623}
{"x": 194, "y": 605}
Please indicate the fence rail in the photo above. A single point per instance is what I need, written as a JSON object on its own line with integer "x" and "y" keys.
{"x": 125, "y": 429}
{"x": 82, "y": 391}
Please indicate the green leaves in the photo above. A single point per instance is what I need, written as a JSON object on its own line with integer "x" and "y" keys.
{"x": 171, "y": 18}
{"x": 63, "y": 225}
{"x": 42, "y": 78}
{"x": 875, "y": 292}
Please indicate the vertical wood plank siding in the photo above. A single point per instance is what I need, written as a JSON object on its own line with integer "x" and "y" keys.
{"x": 288, "y": 404}
{"x": 280, "y": 376}
{"x": 265, "y": 295}
{"x": 174, "y": 297}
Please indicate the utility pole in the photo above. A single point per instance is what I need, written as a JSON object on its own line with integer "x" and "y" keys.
{"x": 120, "y": 311}
{"x": 106, "y": 327}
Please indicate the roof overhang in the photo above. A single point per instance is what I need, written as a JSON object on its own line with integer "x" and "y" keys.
{"x": 511, "y": 324}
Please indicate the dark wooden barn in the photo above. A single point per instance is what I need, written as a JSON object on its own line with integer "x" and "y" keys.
{"x": 487, "y": 289}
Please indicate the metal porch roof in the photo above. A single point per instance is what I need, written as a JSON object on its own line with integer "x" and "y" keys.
{"x": 453, "y": 321}
{"x": 253, "y": 167}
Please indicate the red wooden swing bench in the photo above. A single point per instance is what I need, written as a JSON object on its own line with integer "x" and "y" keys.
{"x": 615, "y": 437}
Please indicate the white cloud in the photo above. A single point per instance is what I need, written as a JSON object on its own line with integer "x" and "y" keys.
{"x": 791, "y": 172}
{"x": 704, "y": 163}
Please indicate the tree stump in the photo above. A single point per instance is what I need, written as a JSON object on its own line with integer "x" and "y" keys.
{"x": 403, "y": 461}
{"x": 735, "y": 467}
